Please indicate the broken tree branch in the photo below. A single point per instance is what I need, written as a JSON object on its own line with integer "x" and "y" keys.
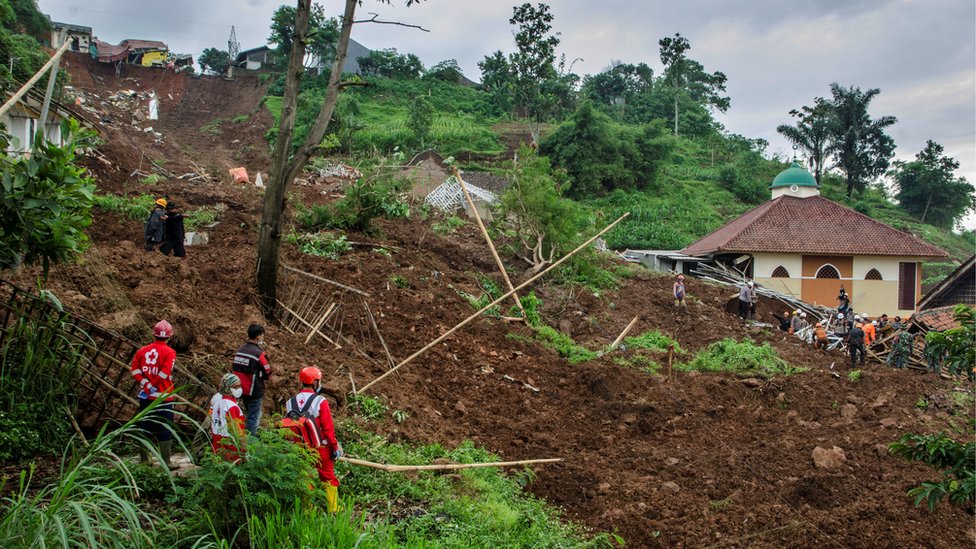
{"x": 375, "y": 19}
{"x": 464, "y": 322}
{"x": 442, "y": 466}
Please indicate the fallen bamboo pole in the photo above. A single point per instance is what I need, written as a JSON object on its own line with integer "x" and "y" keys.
{"x": 327, "y": 281}
{"x": 623, "y": 334}
{"x": 305, "y": 322}
{"x": 491, "y": 245}
{"x": 33, "y": 80}
{"x": 318, "y": 325}
{"x": 443, "y": 466}
{"x": 464, "y": 322}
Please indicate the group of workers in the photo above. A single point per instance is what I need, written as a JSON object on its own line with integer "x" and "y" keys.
{"x": 152, "y": 368}
{"x": 857, "y": 331}
{"x": 164, "y": 228}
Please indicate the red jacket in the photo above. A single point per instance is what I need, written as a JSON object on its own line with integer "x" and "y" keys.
{"x": 152, "y": 368}
{"x": 226, "y": 424}
{"x": 323, "y": 421}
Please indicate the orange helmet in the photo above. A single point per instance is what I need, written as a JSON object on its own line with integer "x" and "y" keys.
{"x": 162, "y": 329}
{"x": 309, "y": 374}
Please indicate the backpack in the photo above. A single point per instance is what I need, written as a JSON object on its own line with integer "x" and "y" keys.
{"x": 302, "y": 423}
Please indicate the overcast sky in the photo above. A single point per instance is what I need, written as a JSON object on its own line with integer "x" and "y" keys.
{"x": 777, "y": 54}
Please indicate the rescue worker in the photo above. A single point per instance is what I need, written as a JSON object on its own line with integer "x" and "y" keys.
{"x": 897, "y": 323}
{"x": 152, "y": 368}
{"x": 226, "y": 420}
{"x": 155, "y": 229}
{"x": 253, "y": 368}
{"x": 679, "y": 291}
{"x": 797, "y": 323}
{"x": 820, "y": 340}
{"x": 855, "y": 344}
{"x": 330, "y": 450}
{"x": 843, "y": 300}
{"x": 901, "y": 350}
{"x": 174, "y": 231}
{"x": 745, "y": 299}
{"x": 841, "y": 330}
{"x": 784, "y": 321}
{"x": 870, "y": 332}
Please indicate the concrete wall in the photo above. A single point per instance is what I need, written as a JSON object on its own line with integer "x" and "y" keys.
{"x": 790, "y": 286}
{"x": 764, "y": 264}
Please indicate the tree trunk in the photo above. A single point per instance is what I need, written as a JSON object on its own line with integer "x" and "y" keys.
{"x": 269, "y": 235}
{"x": 926, "y": 210}
{"x": 676, "y": 110}
{"x": 284, "y": 170}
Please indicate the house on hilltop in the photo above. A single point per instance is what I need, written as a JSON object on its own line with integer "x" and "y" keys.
{"x": 807, "y": 246}
{"x": 79, "y": 36}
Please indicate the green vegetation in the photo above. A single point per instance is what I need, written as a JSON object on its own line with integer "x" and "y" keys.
{"x": 653, "y": 340}
{"x": 740, "y": 357}
{"x": 368, "y": 407}
{"x": 955, "y": 345}
{"x": 564, "y": 345}
{"x": 364, "y": 201}
{"x": 138, "y": 207}
{"x": 46, "y": 201}
{"x": 39, "y": 370}
{"x": 321, "y": 244}
{"x": 855, "y": 375}
{"x": 448, "y": 225}
{"x": 400, "y": 282}
{"x": 956, "y": 461}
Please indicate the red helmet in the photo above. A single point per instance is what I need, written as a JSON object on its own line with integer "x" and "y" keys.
{"x": 309, "y": 374}
{"x": 162, "y": 329}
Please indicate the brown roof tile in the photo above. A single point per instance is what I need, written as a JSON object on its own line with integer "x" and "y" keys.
{"x": 811, "y": 225}
{"x": 938, "y": 319}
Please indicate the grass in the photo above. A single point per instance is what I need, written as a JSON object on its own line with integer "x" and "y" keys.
{"x": 448, "y": 225}
{"x": 320, "y": 244}
{"x": 739, "y": 357}
{"x": 563, "y": 344}
{"x": 653, "y": 340}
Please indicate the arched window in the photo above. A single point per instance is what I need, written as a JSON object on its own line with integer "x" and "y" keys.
{"x": 828, "y": 271}
{"x": 873, "y": 274}
{"x": 781, "y": 272}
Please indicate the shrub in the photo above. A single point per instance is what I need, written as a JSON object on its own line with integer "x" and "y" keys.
{"x": 364, "y": 201}
{"x": 954, "y": 347}
{"x": 448, "y": 225}
{"x": 368, "y": 407}
{"x": 956, "y": 461}
{"x": 653, "y": 340}
{"x": 564, "y": 345}
{"x": 740, "y": 357}
{"x": 320, "y": 244}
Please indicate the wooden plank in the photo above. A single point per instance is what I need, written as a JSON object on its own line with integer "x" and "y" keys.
{"x": 327, "y": 281}
{"x": 318, "y": 325}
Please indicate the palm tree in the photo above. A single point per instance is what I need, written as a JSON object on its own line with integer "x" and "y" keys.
{"x": 859, "y": 144}
{"x": 811, "y": 133}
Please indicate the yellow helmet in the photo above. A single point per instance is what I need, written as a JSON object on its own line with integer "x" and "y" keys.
{"x": 161, "y": 202}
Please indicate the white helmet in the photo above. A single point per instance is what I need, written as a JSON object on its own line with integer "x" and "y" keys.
{"x": 803, "y": 314}
{"x": 840, "y": 315}
{"x": 857, "y": 317}
{"x": 874, "y": 322}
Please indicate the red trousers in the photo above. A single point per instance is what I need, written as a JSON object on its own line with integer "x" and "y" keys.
{"x": 325, "y": 467}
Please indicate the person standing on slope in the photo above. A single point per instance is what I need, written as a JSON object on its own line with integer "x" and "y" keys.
{"x": 174, "y": 233}
{"x": 152, "y": 368}
{"x": 226, "y": 420}
{"x": 155, "y": 229}
{"x": 679, "y": 292}
{"x": 253, "y": 368}
{"x": 745, "y": 299}
{"x": 310, "y": 404}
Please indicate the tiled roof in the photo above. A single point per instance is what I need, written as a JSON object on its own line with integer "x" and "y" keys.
{"x": 812, "y": 225}
{"x": 938, "y": 319}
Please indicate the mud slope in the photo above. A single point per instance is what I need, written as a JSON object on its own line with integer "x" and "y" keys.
{"x": 697, "y": 460}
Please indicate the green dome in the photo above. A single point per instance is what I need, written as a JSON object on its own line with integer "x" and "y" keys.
{"x": 794, "y": 175}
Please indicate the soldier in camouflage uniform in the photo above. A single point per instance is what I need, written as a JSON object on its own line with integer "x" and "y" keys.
{"x": 901, "y": 351}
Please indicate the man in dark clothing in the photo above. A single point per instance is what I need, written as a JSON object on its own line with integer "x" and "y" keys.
{"x": 154, "y": 225}
{"x": 855, "y": 344}
{"x": 843, "y": 301}
{"x": 174, "y": 231}
{"x": 252, "y": 367}
{"x": 745, "y": 299}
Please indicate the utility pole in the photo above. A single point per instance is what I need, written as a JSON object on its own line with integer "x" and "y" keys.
{"x": 45, "y": 107}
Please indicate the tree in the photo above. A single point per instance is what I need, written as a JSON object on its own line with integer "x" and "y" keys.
{"x": 497, "y": 80}
{"x": 447, "y": 71}
{"x": 320, "y": 42}
{"x": 285, "y": 166}
{"x": 46, "y": 200}
{"x": 859, "y": 144}
{"x": 600, "y": 155}
{"x": 689, "y": 79}
{"x": 811, "y": 133}
{"x": 390, "y": 64}
{"x": 421, "y": 119}
{"x": 929, "y": 190}
{"x": 214, "y": 60}
{"x": 28, "y": 19}
{"x": 542, "y": 221}
{"x": 533, "y": 61}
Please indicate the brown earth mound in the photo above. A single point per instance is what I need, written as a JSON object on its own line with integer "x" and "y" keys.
{"x": 682, "y": 460}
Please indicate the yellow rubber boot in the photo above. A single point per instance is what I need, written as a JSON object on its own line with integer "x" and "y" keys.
{"x": 332, "y": 498}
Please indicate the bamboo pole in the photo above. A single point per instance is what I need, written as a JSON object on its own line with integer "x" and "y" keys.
{"x": 623, "y": 334}
{"x": 305, "y": 322}
{"x": 491, "y": 245}
{"x": 33, "y": 80}
{"x": 442, "y": 466}
{"x": 318, "y": 325}
{"x": 46, "y": 105}
{"x": 327, "y": 281}
{"x": 464, "y": 322}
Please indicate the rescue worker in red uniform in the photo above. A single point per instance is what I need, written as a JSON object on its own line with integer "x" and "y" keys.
{"x": 252, "y": 366}
{"x": 152, "y": 368}
{"x": 330, "y": 450}
{"x": 226, "y": 420}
